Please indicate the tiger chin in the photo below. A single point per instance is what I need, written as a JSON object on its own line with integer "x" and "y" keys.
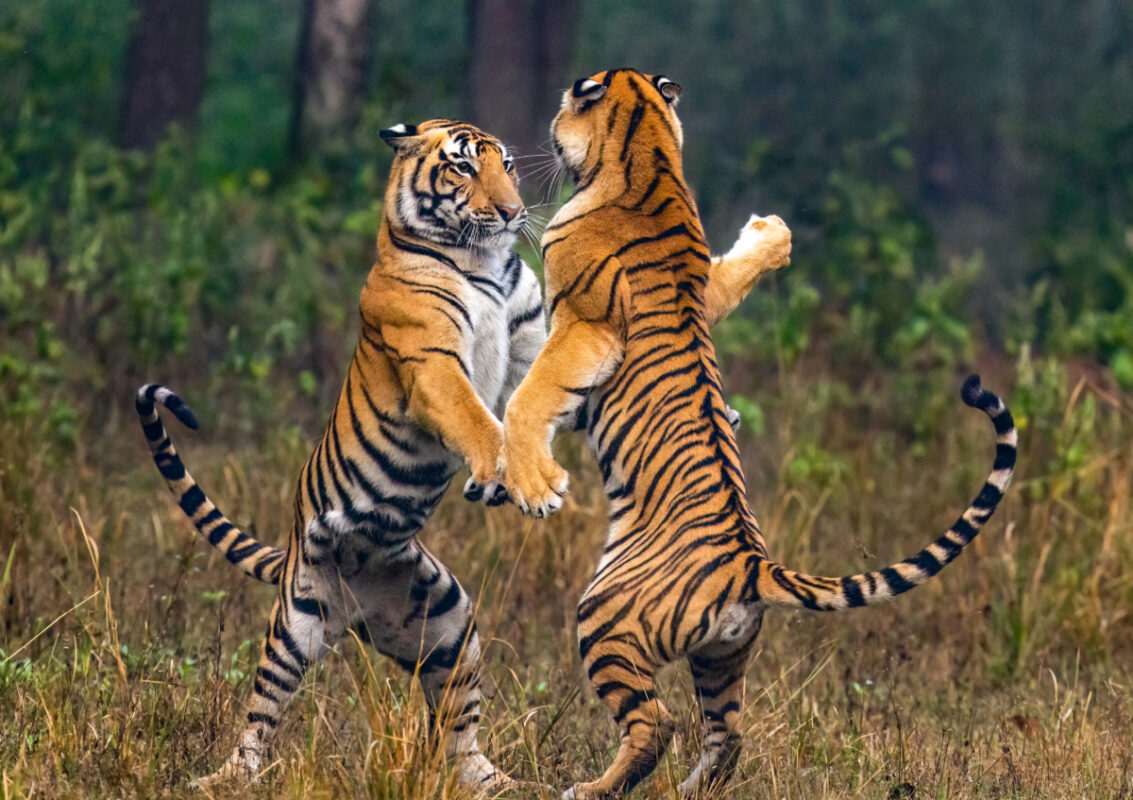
{"x": 451, "y": 320}
{"x": 685, "y": 573}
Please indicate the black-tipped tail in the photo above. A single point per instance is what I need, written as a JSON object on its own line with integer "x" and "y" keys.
{"x": 781, "y": 586}
{"x": 260, "y": 561}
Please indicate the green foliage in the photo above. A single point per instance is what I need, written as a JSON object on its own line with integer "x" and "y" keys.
{"x": 115, "y": 265}
{"x": 215, "y": 260}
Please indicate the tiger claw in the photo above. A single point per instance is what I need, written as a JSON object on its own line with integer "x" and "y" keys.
{"x": 473, "y": 490}
{"x": 498, "y": 496}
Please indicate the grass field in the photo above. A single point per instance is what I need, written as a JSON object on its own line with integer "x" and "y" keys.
{"x": 128, "y": 645}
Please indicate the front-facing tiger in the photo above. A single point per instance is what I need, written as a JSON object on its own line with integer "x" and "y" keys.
{"x": 451, "y": 320}
{"x": 685, "y": 573}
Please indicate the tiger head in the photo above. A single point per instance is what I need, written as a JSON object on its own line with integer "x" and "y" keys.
{"x": 453, "y": 184}
{"x": 620, "y": 105}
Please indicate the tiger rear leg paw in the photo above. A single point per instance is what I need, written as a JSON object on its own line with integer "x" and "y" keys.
{"x": 642, "y": 746}
{"x": 476, "y": 771}
{"x": 714, "y": 769}
{"x": 719, "y": 693}
{"x": 241, "y": 768}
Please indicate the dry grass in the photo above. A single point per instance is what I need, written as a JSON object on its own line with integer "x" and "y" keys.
{"x": 128, "y": 645}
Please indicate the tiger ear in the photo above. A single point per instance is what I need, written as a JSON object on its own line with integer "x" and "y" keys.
{"x": 668, "y": 89}
{"x": 586, "y": 91}
{"x": 402, "y": 138}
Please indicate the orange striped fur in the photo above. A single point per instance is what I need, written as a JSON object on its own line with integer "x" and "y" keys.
{"x": 451, "y": 320}
{"x": 685, "y": 573}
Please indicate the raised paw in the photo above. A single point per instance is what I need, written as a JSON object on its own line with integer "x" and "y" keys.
{"x": 534, "y": 482}
{"x": 492, "y": 493}
{"x": 765, "y": 239}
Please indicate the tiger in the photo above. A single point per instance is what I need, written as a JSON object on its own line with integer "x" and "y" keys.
{"x": 451, "y": 319}
{"x": 450, "y": 322}
{"x": 685, "y": 571}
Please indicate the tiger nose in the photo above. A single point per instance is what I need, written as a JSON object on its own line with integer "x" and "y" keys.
{"x": 509, "y": 212}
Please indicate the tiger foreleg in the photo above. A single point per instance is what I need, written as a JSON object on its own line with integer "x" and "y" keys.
{"x": 764, "y": 245}
{"x": 578, "y": 356}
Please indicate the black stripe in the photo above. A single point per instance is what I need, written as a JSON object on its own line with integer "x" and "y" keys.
{"x": 897, "y": 584}
{"x": 217, "y": 534}
{"x": 309, "y": 606}
{"x": 964, "y": 530}
{"x": 853, "y": 593}
{"x": 516, "y": 322}
{"x": 192, "y": 500}
{"x": 170, "y": 467}
{"x": 451, "y": 354}
{"x": 631, "y": 129}
{"x": 1003, "y": 422}
{"x": 926, "y": 561}
{"x": 446, "y": 603}
{"x": 988, "y": 498}
{"x": 1004, "y": 457}
{"x": 275, "y": 680}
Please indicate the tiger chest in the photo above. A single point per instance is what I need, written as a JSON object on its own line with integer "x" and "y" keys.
{"x": 488, "y": 347}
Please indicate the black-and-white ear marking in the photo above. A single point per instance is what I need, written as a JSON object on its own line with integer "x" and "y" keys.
{"x": 669, "y": 90}
{"x": 586, "y": 89}
{"x": 401, "y": 131}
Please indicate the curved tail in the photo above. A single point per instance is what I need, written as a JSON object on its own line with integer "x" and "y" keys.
{"x": 780, "y": 586}
{"x": 261, "y": 561}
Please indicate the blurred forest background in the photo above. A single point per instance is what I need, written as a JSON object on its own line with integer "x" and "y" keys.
{"x": 189, "y": 193}
{"x": 957, "y": 175}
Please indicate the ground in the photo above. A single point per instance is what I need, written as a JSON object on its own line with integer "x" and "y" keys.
{"x": 128, "y": 644}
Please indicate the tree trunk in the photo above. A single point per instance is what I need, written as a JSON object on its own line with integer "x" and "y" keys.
{"x": 518, "y": 55}
{"x": 335, "y": 49}
{"x": 165, "y": 68}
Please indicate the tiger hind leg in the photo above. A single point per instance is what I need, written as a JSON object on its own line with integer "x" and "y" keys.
{"x": 436, "y": 638}
{"x": 296, "y": 638}
{"x": 719, "y": 692}
{"x": 646, "y": 725}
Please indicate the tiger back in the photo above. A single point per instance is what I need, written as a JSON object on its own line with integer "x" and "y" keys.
{"x": 685, "y": 572}
{"x": 451, "y": 320}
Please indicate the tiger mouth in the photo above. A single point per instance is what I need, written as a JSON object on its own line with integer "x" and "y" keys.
{"x": 489, "y": 234}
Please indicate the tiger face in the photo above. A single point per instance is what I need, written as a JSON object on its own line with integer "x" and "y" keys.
{"x": 594, "y": 107}
{"x": 456, "y": 185}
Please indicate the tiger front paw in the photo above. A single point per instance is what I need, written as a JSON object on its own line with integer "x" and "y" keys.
{"x": 484, "y": 484}
{"x": 766, "y": 241}
{"x": 532, "y": 480}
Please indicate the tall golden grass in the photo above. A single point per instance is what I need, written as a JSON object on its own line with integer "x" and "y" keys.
{"x": 128, "y": 645}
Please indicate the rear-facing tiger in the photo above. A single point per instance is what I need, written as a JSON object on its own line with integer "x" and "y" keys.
{"x": 685, "y": 572}
{"x": 450, "y": 323}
